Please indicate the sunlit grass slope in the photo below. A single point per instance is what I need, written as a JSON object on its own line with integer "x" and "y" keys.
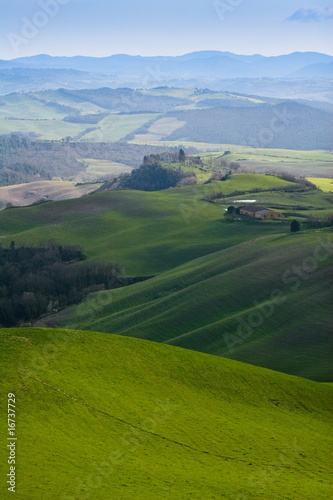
{"x": 147, "y": 233}
{"x": 102, "y": 416}
{"x": 265, "y": 302}
{"x": 325, "y": 184}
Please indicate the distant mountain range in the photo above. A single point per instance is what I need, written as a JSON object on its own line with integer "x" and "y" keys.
{"x": 196, "y": 64}
{"x": 255, "y": 74}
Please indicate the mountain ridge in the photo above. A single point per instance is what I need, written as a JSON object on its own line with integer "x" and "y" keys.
{"x": 198, "y": 62}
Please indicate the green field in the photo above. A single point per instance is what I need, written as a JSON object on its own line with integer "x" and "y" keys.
{"x": 20, "y": 106}
{"x": 325, "y": 185}
{"x": 102, "y": 416}
{"x": 51, "y": 130}
{"x": 43, "y": 114}
{"x": 211, "y": 273}
{"x": 246, "y": 182}
{"x": 115, "y": 127}
{"x": 54, "y": 97}
{"x": 112, "y": 128}
{"x": 147, "y": 233}
{"x": 224, "y": 304}
{"x": 195, "y": 97}
{"x": 296, "y": 204}
{"x": 158, "y": 130}
{"x": 103, "y": 169}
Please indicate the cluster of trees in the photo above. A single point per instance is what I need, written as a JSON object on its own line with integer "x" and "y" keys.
{"x": 90, "y": 119}
{"x": 286, "y": 176}
{"x": 152, "y": 176}
{"x": 38, "y": 280}
{"x": 22, "y": 172}
{"x": 317, "y": 222}
{"x": 25, "y": 159}
{"x": 232, "y": 211}
{"x": 221, "y": 165}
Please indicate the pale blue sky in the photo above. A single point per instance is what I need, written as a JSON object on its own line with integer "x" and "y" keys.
{"x": 163, "y": 27}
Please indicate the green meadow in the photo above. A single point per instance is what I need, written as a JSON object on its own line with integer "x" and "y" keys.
{"x": 293, "y": 204}
{"x": 196, "y": 97}
{"x": 117, "y": 126}
{"x": 20, "y": 106}
{"x": 214, "y": 278}
{"x": 103, "y": 169}
{"x": 146, "y": 232}
{"x": 103, "y": 416}
{"x": 325, "y": 185}
{"x": 49, "y": 129}
{"x": 264, "y": 302}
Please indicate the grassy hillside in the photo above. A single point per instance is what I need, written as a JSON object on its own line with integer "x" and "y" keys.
{"x": 117, "y": 126}
{"x": 104, "y": 169}
{"x": 212, "y": 274}
{"x": 325, "y": 184}
{"x": 265, "y": 302}
{"x": 159, "y": 129}
{"x": 147, "y": 233}
{"x": 300, "y": 204}
{"x": 103, "y": 416}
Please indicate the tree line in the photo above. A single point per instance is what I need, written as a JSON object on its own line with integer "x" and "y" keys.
{"x": 153, "y": 176}
{"x": 40, "y": 280}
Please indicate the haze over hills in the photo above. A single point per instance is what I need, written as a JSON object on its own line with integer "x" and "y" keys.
{"x": 167, "y": 114}
{"x": 213, "y": 69}
{"x": 205, "y": 63}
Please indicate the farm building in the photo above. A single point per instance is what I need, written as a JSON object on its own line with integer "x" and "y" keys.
{"x": 260, "y": 212}
{"x": 169, "y": 157}
{"x": 174, "y": 158}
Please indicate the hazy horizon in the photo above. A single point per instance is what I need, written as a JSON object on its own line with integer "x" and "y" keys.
{"x": 172, "y": 55}
{"x": 102, "y": 28}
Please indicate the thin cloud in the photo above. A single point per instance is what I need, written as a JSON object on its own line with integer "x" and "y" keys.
{"x": 312, "y": 15}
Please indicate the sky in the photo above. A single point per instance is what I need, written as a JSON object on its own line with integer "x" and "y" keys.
{"x": 163, "y": 27}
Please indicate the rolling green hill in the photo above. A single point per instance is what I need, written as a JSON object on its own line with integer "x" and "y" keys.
{"x": 213, "y": 277}
{"x": 147, "y": 233}
{"x": 101, "y": 416}
{"x": 264, "y": 302}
